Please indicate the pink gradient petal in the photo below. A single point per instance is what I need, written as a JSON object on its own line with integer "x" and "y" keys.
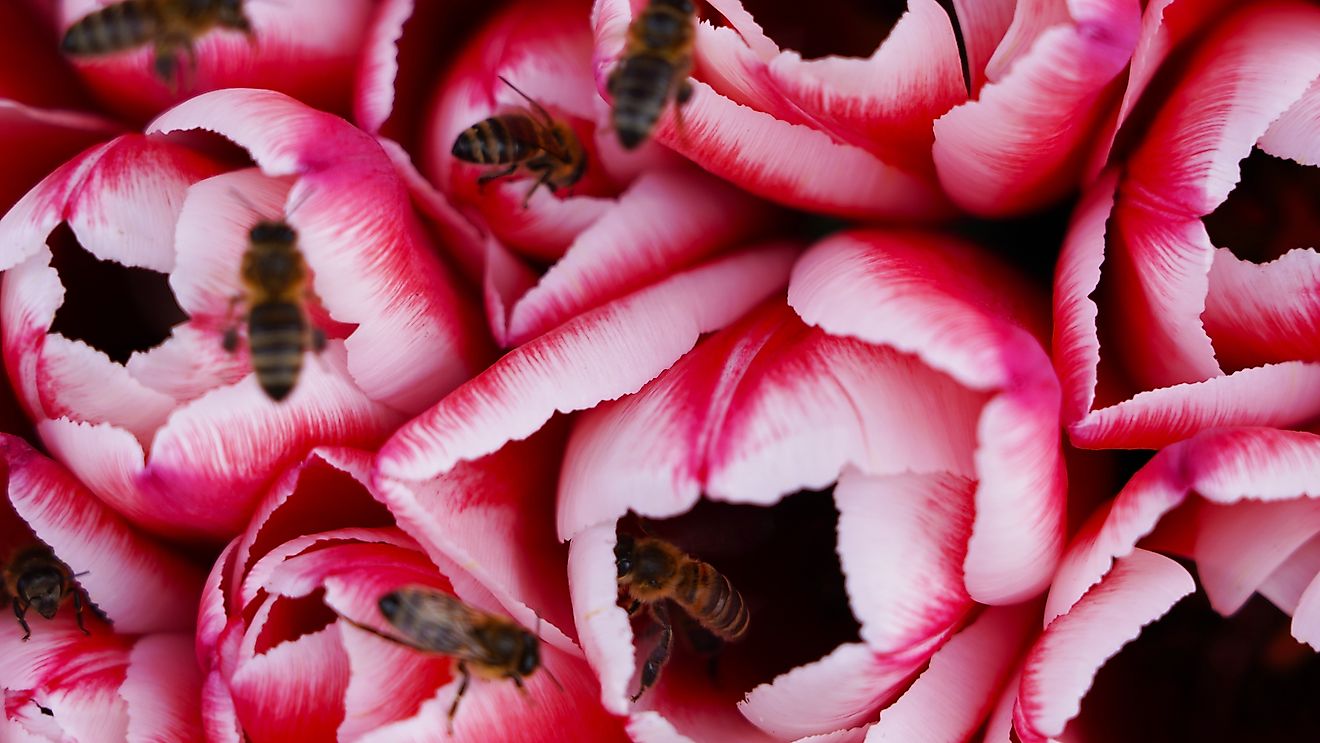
{"x": 1076, "y": 344}
{"x": 603, "y": 627}
{"x": 1239, "y": 546}
{"x": 77, "y": 381}
{"x": 1294, "y": 134}
{"x": 387, "y": 681}
{"x": 1223, "y": 466}
{"x": 1020, "y": 145}
{"x": 983, "y": 24}
{"x": 902, "y": 542}
{"x": 222, "y": 448}
{"x": 610, "y": 351}
{"x": 1255, "y": 67}
{"x": 838, "y": 691}
{"x": 885, "y": 103}
{"x": 664, "y": 221}
{"x": 1282, "y": 395}
{"x": 495, "y": 517}
{"x": 950, "y": 700}
{"x": 299, "y": 50}
{"x": 417, "y": 336}
{"x": 213, "y": 609}
{"x": 373, "y": 96}
{"x": 295, "y": 690}
{"x": 764, "y": 409}
{"x": 188, "y": 364}
{"x": 375, "y": 558}
{"x": 1061, "y": 666}
{"x": 76, "y": 676}
{"x": 1306, "y": 620}
{"x": 219, "y": 718}
{"x": 1285, "y": 586}
{"x": 162, "y": 689}
{"x": 916, "y": 293}
{"x": 1265, "y": 313}
{"x": 793, "y": 164}
{"x": 121, "y": 565}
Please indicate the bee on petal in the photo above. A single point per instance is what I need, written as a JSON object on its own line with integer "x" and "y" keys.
{"x": 35, "y": 579}
{"x": 170, "y": 26}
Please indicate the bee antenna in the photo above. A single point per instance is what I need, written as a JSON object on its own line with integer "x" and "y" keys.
{"x": 539, "y": 108}
{"x": 240, "y": 198}
{"x": 79, "y": 575}
{"x": 295, "y": 206}
{"x": 551, "y": 674}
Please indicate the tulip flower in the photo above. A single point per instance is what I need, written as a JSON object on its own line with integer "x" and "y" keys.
{"x": 145, "y": 403}
{"x": 130, "y": 675}
{"x": 1171, "y": 262}
{"x": 282, "y": 619}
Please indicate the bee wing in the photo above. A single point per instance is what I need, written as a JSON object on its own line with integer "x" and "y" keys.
{"x": 436, "y": 622}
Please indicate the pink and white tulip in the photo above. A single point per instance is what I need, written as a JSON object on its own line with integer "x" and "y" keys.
{"x": 274, "y": 638}
{"x": 1193, "y": 335}
{"x": 180, "y": 415}
{"x": 929, "y": 410}
{"x": 132, "y": 677}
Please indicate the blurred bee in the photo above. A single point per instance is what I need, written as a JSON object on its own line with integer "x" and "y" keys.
{"x": 35, "y": 579}
{"x": 655, "y": 65}
{"x": 488, "y": 645}
{"x": 529, "y": 138}
{"x": 652, "y": 571}
{"x": 170, "y": 25}
{"x": 274, "y": 276}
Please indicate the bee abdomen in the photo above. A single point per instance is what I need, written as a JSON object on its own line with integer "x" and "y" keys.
{"x": 499, "y": 140}
{"x": 111, "y": 29}
{"x": 712, "y": 600}
{"x": 277, "y": 333}
{"x": 640, "y": 89}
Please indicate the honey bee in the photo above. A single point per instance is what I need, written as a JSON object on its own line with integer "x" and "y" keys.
{"x": 35, "y": 579}
{"x": 278, "y": 329}
{"x": 652, "y": 571}
{"x": 170, "y": 25}
{"x": 655, "y": 65}
{"x": 529, "y": 138}
{"x": 488, "y": 645}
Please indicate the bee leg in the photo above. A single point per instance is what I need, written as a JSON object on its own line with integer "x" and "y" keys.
{"x": 462, "y": 689}
{"x": 660, "y": 653}
{"x": 684, "y": 92}
{"x": 78, "y": 611}
{"x": 19, "y": 611}
{"x": 485, "y": 178}
{"x": 634, "y": 606}
{"x": 539, "y": 182}
{"x": 230, "y": 342}
{"x": 318, "y": 340}
{"x": 166, "y": 66}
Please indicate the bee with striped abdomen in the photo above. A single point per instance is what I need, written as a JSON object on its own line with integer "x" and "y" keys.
{"x": 487, "y": 645}
{"x": 274, "y": 276}
{"x": 529, "y": 138}
{"x": 654, "y": 67}
{"x": 35, "y": 579}
{"x": 652, "y": 571}
{"x": 171, "y": 26}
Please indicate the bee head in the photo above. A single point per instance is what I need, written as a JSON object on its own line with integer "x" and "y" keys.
{"x": 272, "y": 232}
{"x": 531, "y": 654}
{"x": 623, "y": 554}
{"x": 389, "y": 604}
{"x": 42, "y": 588}
{"x": 684, "y": 6}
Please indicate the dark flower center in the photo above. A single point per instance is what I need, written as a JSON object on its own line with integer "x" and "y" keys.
{"x": 1275, "y": 208}
{"x": 852, "y": 28}
{"x": 113, "y": 308}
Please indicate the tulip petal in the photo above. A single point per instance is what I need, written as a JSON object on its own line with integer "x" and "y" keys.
{"x": 495, "y": 517}
{"x": 161, "y": 690}
{"x": 1255, "y": 67}
{"x": 416, "y": 337}
{"x": 1020, "y": 144}
{"x": 761, "y": 410}
{"x": 35, "y": 141}
{"x": 1232, "y": 558}
{"x": 902, "y": 542}
{"x": 122, "y": 566}
{"x": 387, "y": 681}
{"x": 663, "y": 221}
{"x": 1267, "y": 313}
{"x": 78, "y": 381}
{"x": 77, "y": 677}
{"x": 1294, "y": 134}
{"x": 297, "y": 49}
{"x": 212, "y": 614}
{"x": 1061, "y": 666}
{"x": 1285, "y": 586}
{"x": 373, "y": 97}
{"x": 914, "y": 293}
{"x": 838, "y": 691}
{"x": 219, "y": 717}
{"x": 1282, "y": 395}
{"x": 295, "y": 690}
{"x": 950, "y": 699}
{"x": 610, "y": 351}
{"x": 1076, "y": 341}
{"x": 1223, "y": 466}
{"x": 983, "y": 24}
